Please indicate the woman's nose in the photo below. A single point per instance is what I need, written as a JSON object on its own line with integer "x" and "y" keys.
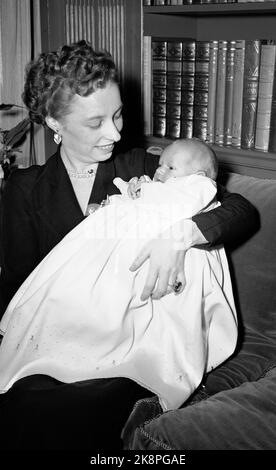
{"x": 112, "y": 130}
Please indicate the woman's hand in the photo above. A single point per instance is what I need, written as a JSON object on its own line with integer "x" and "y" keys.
{"x": 166, "y": 257}
{"x": 166, "y": 266}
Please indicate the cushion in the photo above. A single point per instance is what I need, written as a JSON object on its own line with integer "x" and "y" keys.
{"x": 242, "y": 418}
{"x": 253, "y": 270}
{"x": 254, "y": 263}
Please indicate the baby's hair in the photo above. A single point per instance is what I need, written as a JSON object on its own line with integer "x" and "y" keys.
{"x": 54, "y": 78}
{"x": 210, "y": 162}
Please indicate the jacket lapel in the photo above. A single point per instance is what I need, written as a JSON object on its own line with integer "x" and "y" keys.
{"x": 55, "y": 200}
{"x": 103, "y": 184}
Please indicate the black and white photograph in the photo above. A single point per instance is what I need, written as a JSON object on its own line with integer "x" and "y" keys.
{"x": 137, "y": 232}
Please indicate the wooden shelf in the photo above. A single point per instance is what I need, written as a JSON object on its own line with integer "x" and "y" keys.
{"x": 247, "y": 162}
{"x": 249, "y": 20}
{"x": 254, "y": 8}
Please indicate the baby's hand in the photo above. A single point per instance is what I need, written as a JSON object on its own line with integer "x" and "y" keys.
{"x": 134, "y": 186}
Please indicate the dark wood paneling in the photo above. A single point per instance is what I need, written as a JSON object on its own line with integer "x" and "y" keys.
{"x": 52, "y": 17}
{"x": 132, "y": 84}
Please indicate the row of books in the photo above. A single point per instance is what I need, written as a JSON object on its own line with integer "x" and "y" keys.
{"x": 195, "y": 2}
{"x": 223, "y": 92}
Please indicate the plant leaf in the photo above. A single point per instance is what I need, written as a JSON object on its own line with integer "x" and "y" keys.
{"x": 16, "y": 133}
{"x": 6, "y": 107}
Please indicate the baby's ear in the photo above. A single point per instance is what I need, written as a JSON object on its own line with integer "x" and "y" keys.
{"x": 201, "y": 173}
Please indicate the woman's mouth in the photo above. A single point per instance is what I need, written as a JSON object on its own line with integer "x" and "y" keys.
{"x": 106, "y": 148}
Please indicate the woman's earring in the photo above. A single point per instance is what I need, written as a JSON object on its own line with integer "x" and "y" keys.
{"x": 57, "y": 138}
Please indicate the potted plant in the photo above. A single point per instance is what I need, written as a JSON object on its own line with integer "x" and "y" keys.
{"x": 9, "y": 143}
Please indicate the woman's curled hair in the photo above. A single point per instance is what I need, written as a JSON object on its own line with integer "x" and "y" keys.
{"x": 55, "y": 77}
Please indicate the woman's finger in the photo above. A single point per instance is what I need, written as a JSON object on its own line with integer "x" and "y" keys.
{"x": 180, "y": 282}
{"x": 171, "y": 281}
{"x": 150, "y": 284}
{"x": 141, "y": 258}
{"x": 161, "y": 288}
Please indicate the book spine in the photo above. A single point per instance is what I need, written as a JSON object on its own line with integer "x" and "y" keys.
{"x": 202, "y": 58}
{"x": 212, "y": 86}
{"x": 174, "y": 81}
{"x": 229, "y": 87}
{"x": 272, "y": 131}
{"x": 147, "y": 85}
{"x": 175, "y": 2}
{"x": 220, "y": 96}
{"x": 159, "y": 85}
{"x": 147, "y": 3}
{"x": 238, "y": 92}
{"x": 187, "y": 90}
{"x": 250, "y": 93}
{"x": 267, "y": 67}
{"x": 201, "y": 2}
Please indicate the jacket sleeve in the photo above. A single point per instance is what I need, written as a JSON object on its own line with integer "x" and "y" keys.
{"x": 18, "y": 240}
{"x": 231, "y": 223}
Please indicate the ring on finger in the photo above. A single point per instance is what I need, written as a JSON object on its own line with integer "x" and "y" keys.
{"x": 176, "y": 286}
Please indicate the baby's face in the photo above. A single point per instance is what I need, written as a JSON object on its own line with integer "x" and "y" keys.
{"x": 174, "y": 162}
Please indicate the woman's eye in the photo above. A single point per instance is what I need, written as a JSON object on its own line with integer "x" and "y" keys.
{"x": 171, "y": 168}
{"x": 95, "y": 124}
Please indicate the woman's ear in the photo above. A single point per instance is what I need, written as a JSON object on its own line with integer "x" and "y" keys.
{"x": 52, "y": 123}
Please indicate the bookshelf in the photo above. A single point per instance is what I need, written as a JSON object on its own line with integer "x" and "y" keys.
{"x": 207, "y": 22}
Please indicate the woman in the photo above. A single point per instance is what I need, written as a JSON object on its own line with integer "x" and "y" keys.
{"x": 75, "y": 92}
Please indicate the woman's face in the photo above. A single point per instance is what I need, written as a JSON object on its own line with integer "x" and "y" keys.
{"x": 90, "y": 131}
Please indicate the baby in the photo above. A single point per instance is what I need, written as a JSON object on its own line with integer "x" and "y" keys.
{"x": 183, "y": 157}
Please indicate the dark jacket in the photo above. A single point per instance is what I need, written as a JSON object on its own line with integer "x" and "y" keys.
{"x": 39, "y": 208}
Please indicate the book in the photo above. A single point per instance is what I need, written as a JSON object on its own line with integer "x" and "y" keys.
{"x": 266, "y": 79}
{"x": 250, "y": 92}
{"x": 220, "y": 94}
{"x": 187, "y": 90}
{"x": 229, "y": 88}
{"x": 147, "y": 85}
{"x": 212, "y": 86}
{"x": 201, "y": 2}
{"x": 202, "y": 57}
{"x": 173, "y": 94}
{"x": 238, "y": 76}
{"x": 272, "y": 127}
{"x": 159, "y": 86}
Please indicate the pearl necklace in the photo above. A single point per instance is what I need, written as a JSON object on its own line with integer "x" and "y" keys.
{"x": 81, "y": 174}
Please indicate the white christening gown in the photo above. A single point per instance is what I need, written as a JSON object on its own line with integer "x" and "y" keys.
{"x": 79, "y": 314}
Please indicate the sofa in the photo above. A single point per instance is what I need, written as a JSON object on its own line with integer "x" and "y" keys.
{"x": 235, "y": 406}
